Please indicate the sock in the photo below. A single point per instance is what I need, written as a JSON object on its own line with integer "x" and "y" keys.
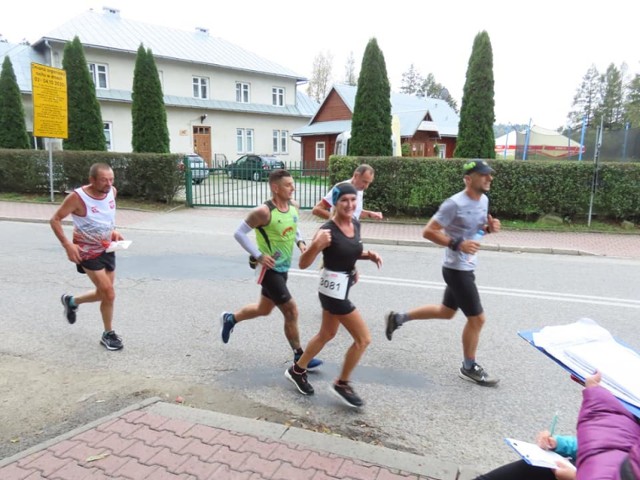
{"x": 298, "y": 370}
{"x": 342, "y": 383}
{"x": 401, "y": 318}
{"x": 468, "y": 363}
{"x": 298, "y": 352}
{"x": 72, "y": 302}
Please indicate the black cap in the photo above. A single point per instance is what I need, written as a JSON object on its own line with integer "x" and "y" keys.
{"x": 477, "y": 166}
{"x": 342, "y": 189}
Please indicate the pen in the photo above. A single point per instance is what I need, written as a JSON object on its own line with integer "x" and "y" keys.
{"x": 553, "y": 424}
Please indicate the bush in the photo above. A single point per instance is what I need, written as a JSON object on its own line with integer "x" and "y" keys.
{"x": 415, "y": 187}
{"x": 153, "y": 177}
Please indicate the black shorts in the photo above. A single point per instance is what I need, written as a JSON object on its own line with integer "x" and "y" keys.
{"x": 274, "y": 287}
{"x": 461, "y": 292}
{"x": 335, "y": 306}
{"x": 104, "y": 261}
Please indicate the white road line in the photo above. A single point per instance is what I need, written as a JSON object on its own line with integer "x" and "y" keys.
{"x": 508, "y": 292}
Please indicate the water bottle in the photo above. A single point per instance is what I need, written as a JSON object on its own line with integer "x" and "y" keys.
{"x": 470, "y": 258}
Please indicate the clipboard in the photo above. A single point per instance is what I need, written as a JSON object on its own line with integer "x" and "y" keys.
{"x": 527, "y": 335}
{"x": 536, "y": 456}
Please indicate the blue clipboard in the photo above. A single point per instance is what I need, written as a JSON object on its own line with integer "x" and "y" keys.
{"x": 528, "y": 336}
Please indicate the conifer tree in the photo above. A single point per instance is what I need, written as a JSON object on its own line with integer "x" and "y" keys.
{"x": 148, "y": 114}
{"x": 477, "y": 115}
{"x": 13, "y": 129}
{"x": 371, "y": 122}
{"x": 85, "y": 127}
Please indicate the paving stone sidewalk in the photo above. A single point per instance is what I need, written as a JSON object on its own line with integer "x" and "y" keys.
{"x": 156, "y": 440}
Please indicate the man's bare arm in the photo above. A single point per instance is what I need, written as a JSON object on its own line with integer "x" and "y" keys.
{"x": 322, "y": 210}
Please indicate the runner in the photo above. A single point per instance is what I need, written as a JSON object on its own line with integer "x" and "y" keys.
{"x": 341, "y": 246}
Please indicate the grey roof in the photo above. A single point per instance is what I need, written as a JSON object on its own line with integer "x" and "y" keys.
{"x": 305, "y": 107}
{"x": 21, "y": 57}
{"x": 323, "y": 128}
{"x": 110, "y": 31}
{"x": 411, "y": 111}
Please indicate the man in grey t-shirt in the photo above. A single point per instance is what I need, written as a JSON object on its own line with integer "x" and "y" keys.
{"x": 458, "y": 224}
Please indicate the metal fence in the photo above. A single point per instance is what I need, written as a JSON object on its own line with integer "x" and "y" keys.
{"x": 219, "y": 189}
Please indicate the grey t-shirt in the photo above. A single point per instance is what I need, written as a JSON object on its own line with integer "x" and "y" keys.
{"x": 462, "y": 217}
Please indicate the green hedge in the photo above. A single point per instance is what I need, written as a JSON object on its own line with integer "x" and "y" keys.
{"x": 415, "y": 187}
{"x": 153, "y": 177}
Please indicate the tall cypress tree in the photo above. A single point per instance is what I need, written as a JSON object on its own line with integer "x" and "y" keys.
{"x": 86, "y": 129}
{"x": 477, "y": 116}
{"x": 13, "y": 129}
{"x": 148, "y": 114}
{"x": 371, "y": 123}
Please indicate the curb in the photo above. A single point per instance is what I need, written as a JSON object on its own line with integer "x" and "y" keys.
{"x": 395, "y": 459}
{"x": 485, "y": 247}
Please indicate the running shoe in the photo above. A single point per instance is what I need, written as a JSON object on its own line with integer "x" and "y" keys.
{"x": 69, "y": 311}
{"x": 227, "y": 322}
{"x": 111, "y": 341}
{"x": 299, "y": 380}
{"x": 478, "y": 375}
{"x": 345, "y": 393}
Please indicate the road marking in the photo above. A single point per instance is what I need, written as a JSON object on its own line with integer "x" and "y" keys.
{"x": 507, "y": 292}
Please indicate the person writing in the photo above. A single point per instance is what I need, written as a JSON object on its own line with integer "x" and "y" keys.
{"x": 93, "y": 210}
{"x": 339, "y": 242}
{"x": 565, "y": 445}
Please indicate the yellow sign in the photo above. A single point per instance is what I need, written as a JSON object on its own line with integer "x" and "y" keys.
{"x": 49, "y": 86}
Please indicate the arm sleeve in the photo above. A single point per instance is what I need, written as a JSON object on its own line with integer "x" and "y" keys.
{"x": 245, "y": 242}
{"x": 567, "y": 446}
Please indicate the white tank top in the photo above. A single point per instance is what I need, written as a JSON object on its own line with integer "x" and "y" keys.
{"x": 92, "y": 233}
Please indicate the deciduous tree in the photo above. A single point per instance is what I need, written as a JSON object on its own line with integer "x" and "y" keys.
{"x": 350, "y": 77}
{"x": 321, "y": 76}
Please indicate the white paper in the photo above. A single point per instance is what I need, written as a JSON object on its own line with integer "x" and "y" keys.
{"x": 536, "y": 456}
{"x": 584, "y": 347}
{"x": 119, "y": 245}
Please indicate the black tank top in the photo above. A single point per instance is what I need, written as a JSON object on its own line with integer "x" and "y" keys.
{"x": 342, "y": 254}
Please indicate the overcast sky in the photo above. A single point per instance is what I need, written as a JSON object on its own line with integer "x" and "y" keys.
{"x": 541, "y": 50}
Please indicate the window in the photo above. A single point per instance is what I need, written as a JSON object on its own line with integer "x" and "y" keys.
{"x": 99, "y": 75}
{"x": 244, "y": 140}
{"x": 242, "y": 92}
{"x": 200, "y": 87}
{"x": 320, "y": 152}
{"x": 108, "y": 135}
{"x": 277, "y": 96}
{"x": 280, "y": 141}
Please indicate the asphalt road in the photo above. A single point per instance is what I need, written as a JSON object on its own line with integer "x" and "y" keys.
{"x": 172, "y": 286}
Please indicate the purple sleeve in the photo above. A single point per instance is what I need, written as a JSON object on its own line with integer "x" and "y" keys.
{"x": 606, "y": 434}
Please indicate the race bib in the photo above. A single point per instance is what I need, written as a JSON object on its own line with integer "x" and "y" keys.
{"x": 334, "y": 284}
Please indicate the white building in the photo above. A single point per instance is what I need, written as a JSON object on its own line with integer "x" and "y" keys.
{"x": 221, "y": 100}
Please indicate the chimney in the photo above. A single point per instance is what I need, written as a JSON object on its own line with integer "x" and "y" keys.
{"x": 111, "y": 11}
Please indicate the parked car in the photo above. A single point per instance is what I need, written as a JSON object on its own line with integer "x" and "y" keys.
{"x": 254, "y": 167}
{"x": 199, "y": 168}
